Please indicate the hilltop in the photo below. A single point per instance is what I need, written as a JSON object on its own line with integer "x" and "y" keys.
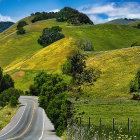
{"x": 5, "y": 25}
{"x": 123, "y": 21}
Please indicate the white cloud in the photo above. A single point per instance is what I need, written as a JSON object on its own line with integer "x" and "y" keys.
{"x": 97, "y": 19}
{"x": 55, "y": 10}
{"x": 5, "y": 18}
{"x": 112, "y": 11}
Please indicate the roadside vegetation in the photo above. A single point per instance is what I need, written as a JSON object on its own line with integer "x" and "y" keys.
{"x": 8, "y": 99}
{"x": 52, "y": 92}
{"x": 6, "y": 115}
{"x": 8, "y": 94}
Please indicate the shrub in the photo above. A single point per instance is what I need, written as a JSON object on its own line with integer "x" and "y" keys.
{"x": 138, "y": 26}
{"x": 52, "y": 98}
{"x": 21, "y": 24}
{"x": 34, "y": 90}
{"x": 21, "y": 31}
{"x": 6, "y": 95}
{"x": 76, "y": 67}
{"x": 56, "y": 28}
{"x": 57, "y": 112}
{"x": 135, "y": 84}
{"x": 13, "y": 101}
{"x": 5, "y": 81}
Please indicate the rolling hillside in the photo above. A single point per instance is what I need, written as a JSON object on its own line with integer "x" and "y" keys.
{"x": 104, "y": 37}
{"x": 118, "y": 69}
{"x": 23, "y": 57}
{"x": 123, "y": 21}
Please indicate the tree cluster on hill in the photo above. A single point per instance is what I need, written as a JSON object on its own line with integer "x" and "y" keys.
{"x": 5, "y": 25}
{"x": 8, "y": 94}
{"x": 43, "y": 16}
{"x": 53, "y": 98}
{"x": 87, "y": 46}
{"x": 20, "y": 29}
{"x": 67, "y": 14}
{"x": 50, "y": 35}
{"x": 72, "y": 16}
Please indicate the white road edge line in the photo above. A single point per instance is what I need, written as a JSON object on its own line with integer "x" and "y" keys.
{"x": 43, "y": 125}
{"x": 16, "y": 124}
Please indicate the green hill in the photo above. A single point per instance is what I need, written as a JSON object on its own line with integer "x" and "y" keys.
{"x": 123, "y": 21}
{"x": 104, "y": 37}
{"x": 22, "y": 53}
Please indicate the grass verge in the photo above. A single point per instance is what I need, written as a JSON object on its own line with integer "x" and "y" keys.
{"x": 6, "y": 115}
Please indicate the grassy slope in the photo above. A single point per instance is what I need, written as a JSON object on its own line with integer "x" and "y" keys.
{"x": 26, "y": 54}
{"x": 105, "y": 36}
{"x": 118, "y": 69}
{"x": 49, "y": 58}
{"x": 6, "y": 114}
{"x": 13, "y": 27}
{"x": 16, "y": 48}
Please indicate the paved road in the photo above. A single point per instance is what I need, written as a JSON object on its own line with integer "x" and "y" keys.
{"x": 29, "y": 123}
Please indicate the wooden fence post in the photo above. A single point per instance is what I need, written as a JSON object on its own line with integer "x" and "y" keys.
{"x": 100, "y": 123}
{"x": 80, "y": 120}
{"x": 128, "y": 125}
{"x": 113, "y": 124}
{"x": 89, "y": 121}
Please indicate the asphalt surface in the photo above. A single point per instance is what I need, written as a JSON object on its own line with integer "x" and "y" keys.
{"x": 29, "y": 123}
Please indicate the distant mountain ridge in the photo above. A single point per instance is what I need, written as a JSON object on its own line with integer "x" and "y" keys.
{"x": 123, "y": 21}
{"x": 5, "y": 25}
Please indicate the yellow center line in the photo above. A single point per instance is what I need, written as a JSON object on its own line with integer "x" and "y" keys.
{"x": 28, "y": 125}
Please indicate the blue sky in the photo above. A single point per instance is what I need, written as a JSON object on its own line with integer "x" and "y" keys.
{"x": 98, "y": 10}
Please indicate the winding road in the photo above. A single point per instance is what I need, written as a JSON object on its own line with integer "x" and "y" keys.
{"x": 29, "y": 123}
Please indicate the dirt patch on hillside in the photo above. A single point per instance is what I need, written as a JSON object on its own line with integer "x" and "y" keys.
{"x": 18, "y": 75}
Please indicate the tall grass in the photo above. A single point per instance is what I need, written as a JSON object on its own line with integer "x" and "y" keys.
{"x": 83, "y": 132}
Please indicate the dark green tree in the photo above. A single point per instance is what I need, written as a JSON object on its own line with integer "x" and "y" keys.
{"x": 56, "y": 28}
{"x": 6, "y": 95}
{"x": 34, "y": 90}
{"x": 138, "y": 26}
{"x": 21, "y": 31}
{"x": 49, "y": 36}
{"x": 75, "y": 66}
{"x": 13, "y": 101}
{"x": 7, "y": 82}
{"x": 135, "y": 84}
{"x": 21, "y": 24}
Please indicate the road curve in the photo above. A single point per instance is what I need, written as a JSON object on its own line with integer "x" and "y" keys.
{"x": 29, "y": 123}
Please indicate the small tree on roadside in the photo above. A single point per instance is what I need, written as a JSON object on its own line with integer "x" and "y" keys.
{"x": 13, "y": 101}
{"x": 5, "y": 81}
